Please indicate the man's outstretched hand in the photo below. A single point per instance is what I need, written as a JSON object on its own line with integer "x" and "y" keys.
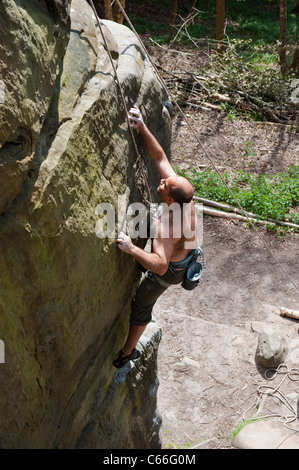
{"x": 135, "y": 117}
{"x": 124, "y": 242}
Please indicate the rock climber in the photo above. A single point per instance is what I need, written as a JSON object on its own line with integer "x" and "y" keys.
{"x": 174, "y": 248}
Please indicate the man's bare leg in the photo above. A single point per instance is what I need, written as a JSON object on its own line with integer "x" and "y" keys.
{"x": 135, "y": 332}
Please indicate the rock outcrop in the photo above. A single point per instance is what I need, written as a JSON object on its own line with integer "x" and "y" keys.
{"x": 65, "y": 293}
{"x": 271, "y": 350}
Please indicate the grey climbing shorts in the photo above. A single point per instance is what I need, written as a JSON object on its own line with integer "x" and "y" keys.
{"x": 150, "y": 288}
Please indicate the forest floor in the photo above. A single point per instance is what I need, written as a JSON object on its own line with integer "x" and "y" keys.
{"x": 208, "y": 376}
{"x": 207, "y": 370}
{"x": 206, "y": 359}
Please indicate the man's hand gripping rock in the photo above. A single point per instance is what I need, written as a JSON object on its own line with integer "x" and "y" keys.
{"x": 124, "y": 242}
{"x": 135, "y": 117}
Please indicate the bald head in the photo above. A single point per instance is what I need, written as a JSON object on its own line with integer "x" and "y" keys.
{"x": 180, "y": 189}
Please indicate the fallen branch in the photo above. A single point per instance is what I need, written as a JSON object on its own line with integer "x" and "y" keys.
{"x": 223, "y": 98}
{"x": 286, "y": 312}
{"x": 244, "y": 214}
{"x": 220, "y": 205}
{"x": 167, "y": 49}
{"x": 204, "y": 105}
{"x": 269, "y": 113}
{"x": 228, "y": 215}
{"x": 196, "y": 80}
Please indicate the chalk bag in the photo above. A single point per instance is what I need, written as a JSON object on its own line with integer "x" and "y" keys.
{"x": 193, "y": 275}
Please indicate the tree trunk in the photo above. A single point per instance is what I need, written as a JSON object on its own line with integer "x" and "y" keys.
{"x": 173, "y": 21}
{"x": 295, "y": 61}
{"x": 296, "y": 8}
{"x": 108, "y": 10}
{"x": 117, "y": 13}
{"x": 220, "y": 24}
{"x": 113, "y": 12}
{"x": 283, "y": 36}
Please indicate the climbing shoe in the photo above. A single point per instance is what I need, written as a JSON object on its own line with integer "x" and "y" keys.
{"x": 123, "y": 358}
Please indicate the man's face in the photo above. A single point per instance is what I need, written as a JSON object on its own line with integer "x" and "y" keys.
{"x": 163, "y": 190}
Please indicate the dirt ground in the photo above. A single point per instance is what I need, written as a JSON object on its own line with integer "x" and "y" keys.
{"x": 207, "y": 371}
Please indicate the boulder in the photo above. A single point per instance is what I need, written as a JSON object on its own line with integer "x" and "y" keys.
{"x": 266, "y": 435}
{"x": 271, "y": 349}
{"x": 65, "y": 292}
{"x": 33, "y": 41}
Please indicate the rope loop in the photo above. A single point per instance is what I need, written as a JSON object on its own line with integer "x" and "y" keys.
{"x": 275, "y": 392}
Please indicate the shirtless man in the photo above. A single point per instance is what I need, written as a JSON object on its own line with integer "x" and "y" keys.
{"x": 172, "y": 251}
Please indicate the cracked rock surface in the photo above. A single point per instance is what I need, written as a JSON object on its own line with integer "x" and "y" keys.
{"x": 65, "y": 292}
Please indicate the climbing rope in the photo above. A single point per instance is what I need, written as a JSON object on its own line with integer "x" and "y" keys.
{"x": 204, "y": 149}
{"x": 124, "y": 103}
{"x": 188, "y": 124}
{"x": 269, "y": 391}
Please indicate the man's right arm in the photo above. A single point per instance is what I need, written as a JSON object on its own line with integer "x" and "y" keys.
{"x": 151, "y": 145}
{"x": 156, "y": 261}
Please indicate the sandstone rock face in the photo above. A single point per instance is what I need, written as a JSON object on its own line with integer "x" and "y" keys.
{"x": 33, "y": 42}
{"x": 65, "y": 293}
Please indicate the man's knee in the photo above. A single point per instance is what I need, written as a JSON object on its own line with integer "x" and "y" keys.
{"x": 140, "y": 317}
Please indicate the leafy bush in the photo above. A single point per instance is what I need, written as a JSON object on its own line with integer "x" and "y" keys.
{"x": 269, "y": 197}
{"x": 250, "y": 76}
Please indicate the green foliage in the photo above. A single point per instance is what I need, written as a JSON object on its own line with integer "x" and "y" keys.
{"x": 269, "y": 197}
{"x": 240, "y": 426}
{"x": 143, "y": 25}
{"x": 248, "y": 70}
{"x": 259, "y": 20}
{"x": 246, "y": 19}
{"x": 249, "y": 150}
{"x": 250, "y": 75}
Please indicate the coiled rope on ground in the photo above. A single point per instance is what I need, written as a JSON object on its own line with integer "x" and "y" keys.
{"x": 265, "y": 391}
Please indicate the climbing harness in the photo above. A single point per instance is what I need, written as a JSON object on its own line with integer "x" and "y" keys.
{"x": 190, "y": 128}
{"x": 193, "y": 270}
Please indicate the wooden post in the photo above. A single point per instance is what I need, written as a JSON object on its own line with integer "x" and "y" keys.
{"x": 283, "y": 36}
{"x": 117, "y": 13}
{"x": 295, "y": 61}
{"x": 173, "y": 21}
{"x": 287, "y": 312}
{"x": 220, "y": 24}
{"x": 108, "y": 10}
